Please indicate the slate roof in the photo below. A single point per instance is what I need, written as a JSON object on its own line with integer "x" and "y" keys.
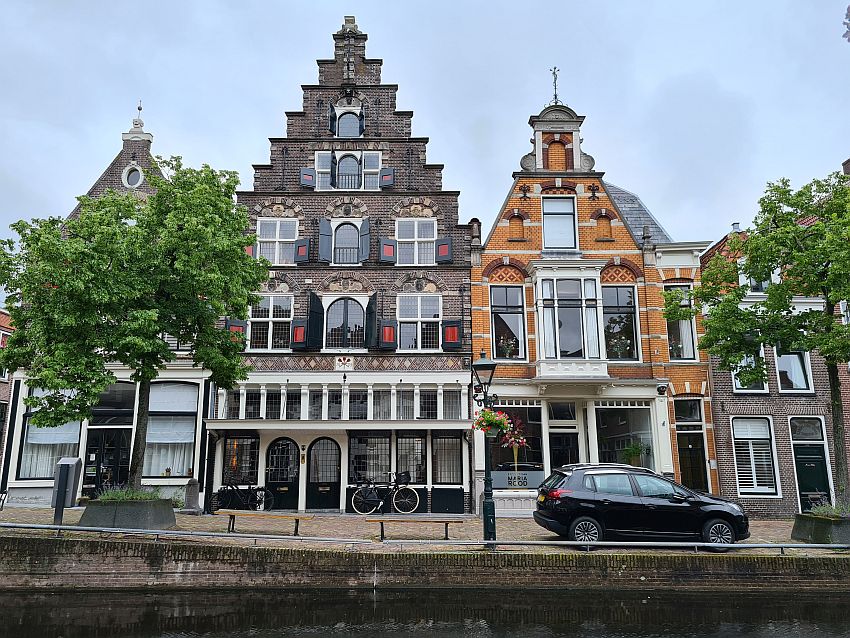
{"x": 636, "y": 215}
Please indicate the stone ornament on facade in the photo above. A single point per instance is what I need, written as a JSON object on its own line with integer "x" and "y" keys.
{"x": 347, "y": 206}
{"x": 345, "y": 282}
{"x": 419, "y": 281}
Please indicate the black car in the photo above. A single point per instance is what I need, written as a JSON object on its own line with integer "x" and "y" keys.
{"x": 594, "y": 502}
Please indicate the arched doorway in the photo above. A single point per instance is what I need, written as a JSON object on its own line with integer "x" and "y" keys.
{"x": 323, "y": 474}
{"x": 282, "y": 466}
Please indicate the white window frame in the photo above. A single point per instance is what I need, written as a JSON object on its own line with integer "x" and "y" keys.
{"x": 738, "y": 390}
{"x": 775, "y": 457}
{"x": 327, "y": 301}
{"x": 575, "y": 221}
{"x": 419, "y": 321}
{"x": 824, "y": 441}
{"x": 807, "y": 369}
{"x": 585, "y": 337}
{"x": 277, "y": 242}
{"x": 693, "y": 323}
{"x": 638, "y": 349}
{"x": 493, "y": 328}
{"x": 416, "y": 241}
{"x": 364, "y": 172}
{"x": 271, "y": 321}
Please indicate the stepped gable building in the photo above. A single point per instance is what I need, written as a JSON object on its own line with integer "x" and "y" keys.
{"x": 360, "y": 344}
{"x": 567, "y": 298}
{"x": 774, "y": 439}
{"x": 174, "y": 447}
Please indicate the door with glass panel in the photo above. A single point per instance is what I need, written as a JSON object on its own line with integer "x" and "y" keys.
{"x": 282, "y": 467}
{"x": 323, "y": 474}
{"x": 810, "y": 462}
{"x": 107, "y": 460}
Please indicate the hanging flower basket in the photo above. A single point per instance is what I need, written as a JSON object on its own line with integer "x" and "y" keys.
{"x": 492, "y": 423}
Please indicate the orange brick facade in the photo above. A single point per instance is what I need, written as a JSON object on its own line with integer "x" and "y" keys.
{"x": 610, "y": 251}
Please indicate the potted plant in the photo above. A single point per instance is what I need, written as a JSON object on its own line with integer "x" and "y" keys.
{"x": 633, "y": 452}
{"x": 492, "y": 422}
{"x": 126, "y": 507}
{"x": 823, "y": 524}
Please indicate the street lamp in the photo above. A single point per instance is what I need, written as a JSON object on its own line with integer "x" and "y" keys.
{"x": 482, "y": 371}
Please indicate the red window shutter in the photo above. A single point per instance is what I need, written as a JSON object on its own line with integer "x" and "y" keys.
{"x": 249, "y": 250}
{"x": 388, "y": 251}
{"x": 452, "y": 335}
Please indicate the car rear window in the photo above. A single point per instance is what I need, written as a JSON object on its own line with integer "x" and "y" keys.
{"x": 556, "y": 479}
{"x": 612, "y": 484}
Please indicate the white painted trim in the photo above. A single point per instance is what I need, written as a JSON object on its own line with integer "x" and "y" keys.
{"x": 775, "y": 457}
{"x": 575, "y": 221}
{"x": 824, "y": 442}
{"x": 807, "y": 365}
{"x": 501, "y": 361}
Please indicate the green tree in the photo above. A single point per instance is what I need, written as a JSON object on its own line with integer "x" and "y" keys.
{"x": 99, "y": 290}
{"x": 801, "y": 240}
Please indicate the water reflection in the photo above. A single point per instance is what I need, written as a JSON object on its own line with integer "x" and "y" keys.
{"x": 468, "y": 613}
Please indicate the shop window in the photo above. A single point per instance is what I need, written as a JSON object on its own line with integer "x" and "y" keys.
{"x": 525, "y": 469}
{"x": 681, "y": 340}
{"x": 171, "y": 429}
{"x": 415, "y": 239}
{"x": 382, "y": 405}
{"x": 427, "y": 404}
{"x": 358, "y": 405}
{"x": 508, "y": 321}
{"x": 451, "y": 404}
{"x": 276, "y": 240}
{"x": 293, "y": 405}
{"x": 562, "y": 411}
{"x": 447, "y": 458}
{"x": 559, "y": 223}
{"x": 624, "y": 435}
{"x": 410, "y": 455}
{"x": 368, "y": 457}
{"x": 346, "y": 321}
{"x": 754, "y": 459}
{"x": 792, "y": 368}
{"x": 115, "y": 406}
{"x": 570, "y": 320}
{"x": 619, "y": 318}
{"x": 241, "y": 460}
{"x": 43, "y": 447}
{"x": 419, "y": 322}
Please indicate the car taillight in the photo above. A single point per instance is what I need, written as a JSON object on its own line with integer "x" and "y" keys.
{"x": 558, "y": 493}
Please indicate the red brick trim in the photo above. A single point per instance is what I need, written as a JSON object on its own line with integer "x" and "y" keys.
{"x": 627, "y": 264}
{"x": 678, "y": 280}
{"x": 515, "y": 212}
{"x": 603, "y": 212}
{"x": 565, "y": 185}
{"x": 498, "y": 263}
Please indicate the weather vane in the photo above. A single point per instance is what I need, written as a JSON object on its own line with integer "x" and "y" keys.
{"x": 554, "y": 70}
{"x": 139, "y": 109}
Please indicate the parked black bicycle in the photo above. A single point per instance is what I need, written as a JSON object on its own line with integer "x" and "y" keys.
{"x": 232, "y": 497}
{"x": 372, "y": 496}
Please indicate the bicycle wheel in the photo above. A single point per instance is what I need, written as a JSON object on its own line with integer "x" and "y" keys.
{"x": 405, "y": 500}
{"x": 225, "y": 499}
{"x": 265, "y": 499}
{"x": 364, "y": 500}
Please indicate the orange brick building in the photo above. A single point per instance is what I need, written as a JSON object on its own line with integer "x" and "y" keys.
{"x": 567, "y": 298}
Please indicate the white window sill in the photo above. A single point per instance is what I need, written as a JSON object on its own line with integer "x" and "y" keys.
{"x": 508, "y": 361}
{"x": 765, "y": 391}
{"x": 415, "y": 265}
{"x": 768, "y": 496}
{"x": 357, "y": 265}
{"x": 420, "y": 351}
{"x": 268, "y": 351}
{"x": 807, "y": 391}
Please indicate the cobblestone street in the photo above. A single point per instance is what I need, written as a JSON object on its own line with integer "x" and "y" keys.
{"x": 356, "y": 527}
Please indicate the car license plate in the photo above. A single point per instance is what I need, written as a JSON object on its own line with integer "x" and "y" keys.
{"x": 541, "y": 498}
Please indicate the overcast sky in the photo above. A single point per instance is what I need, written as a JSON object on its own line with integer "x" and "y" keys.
{"x": 694, "y": 106}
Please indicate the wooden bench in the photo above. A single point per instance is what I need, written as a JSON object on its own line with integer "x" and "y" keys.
{"x": 231, "y": 524}
{"x": 411, "y": 519}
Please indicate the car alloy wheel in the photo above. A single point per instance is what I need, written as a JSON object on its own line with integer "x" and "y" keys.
{"x": 720, "y": 533}
{"x": 587, "y": 532}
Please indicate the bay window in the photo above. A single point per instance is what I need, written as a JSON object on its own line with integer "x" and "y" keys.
{"x": 754, "y": 459}
{"x": 276, "y": 240}
{"x": 570, "y": 318}
{"x": 619, "y": 318}
{"x": 418, "y": 322}
{"x": 508, "y": 321}
{"x": 269, "y": 323}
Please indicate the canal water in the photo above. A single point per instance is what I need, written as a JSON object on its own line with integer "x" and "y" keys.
{"x": 456, "y": 613}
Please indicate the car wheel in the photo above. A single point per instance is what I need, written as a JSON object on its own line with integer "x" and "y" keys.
{"x": 585, "y": 529}
{"x": 718, "y": 531}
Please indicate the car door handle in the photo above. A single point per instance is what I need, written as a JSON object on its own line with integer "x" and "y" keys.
{"x": 652, "y": 507}
{"x": 605, "y": 501}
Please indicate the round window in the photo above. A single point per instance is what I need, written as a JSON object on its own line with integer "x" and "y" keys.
{"x": 134, "y": 177}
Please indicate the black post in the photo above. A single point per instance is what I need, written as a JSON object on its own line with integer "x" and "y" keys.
{"x": 61, "y": 488}
{"x": 488, "y": 509}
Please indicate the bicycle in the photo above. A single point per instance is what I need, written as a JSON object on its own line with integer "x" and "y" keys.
{"x": 372, "y": 496}
{"x": 231, "y": 497}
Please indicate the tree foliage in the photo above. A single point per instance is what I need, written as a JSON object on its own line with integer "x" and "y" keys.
{"x": 800, "y": 242}
{"x": 101, "y": 289}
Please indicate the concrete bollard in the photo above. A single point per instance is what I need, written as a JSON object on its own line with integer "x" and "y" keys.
{"x": 192, "y": 497}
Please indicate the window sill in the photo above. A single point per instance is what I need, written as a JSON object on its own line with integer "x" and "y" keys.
{"x": 357, "y": 265}
{"x": 748, "y": 495}
{"x": 797, "y": 392}
{"x": 765, "y": 391}
{"x": 268, "y": 351}
{"x": 605, "y": 239}
{"x": 414, "y": 265}
{"x": 507, "y": 361}
{"x": 417, "y": 351}
{"x": 517, "y": 239}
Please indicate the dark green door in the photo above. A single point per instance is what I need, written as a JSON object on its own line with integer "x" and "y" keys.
{"x": 282, "y": 469}
{"x": 812, "y": 478}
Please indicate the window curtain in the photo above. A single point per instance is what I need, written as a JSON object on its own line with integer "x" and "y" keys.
{"x": 170, "y": 443}
{"x": 43, "y": 447}
{"x": 447, "y": 460}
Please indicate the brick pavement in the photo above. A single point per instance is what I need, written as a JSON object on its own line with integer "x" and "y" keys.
{"x": 354, "y": 526}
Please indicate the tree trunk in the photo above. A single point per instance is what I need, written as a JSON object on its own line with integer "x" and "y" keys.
{"x": 842, "y": 497}
{"x": 140, "y": 437}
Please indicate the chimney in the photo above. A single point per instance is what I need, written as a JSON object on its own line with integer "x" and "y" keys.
{"x": 736, "y": 227}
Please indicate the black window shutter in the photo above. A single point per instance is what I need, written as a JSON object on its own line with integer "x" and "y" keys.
{"x": 331, "y": 118}
{"x": 333, "y": 169}
{"x": 308, "y": 177}
{"x": 371, "y": 336}
{"x": 388, "y": 251}
{"x": 365, "y": 240}
{"x": 236, "y": 327}
{"x": 362, "y": 120}
{"x": 325, "y": 241}
{"x": 315, "y": 322}
{"x": 302, "y": 251}
{"x": 388, "y": 334}
{"x": 386, "y": 178}
{"x": 443, "y": 250}
{"x": 452, "y": 334}
{"x": 298, "y": 337}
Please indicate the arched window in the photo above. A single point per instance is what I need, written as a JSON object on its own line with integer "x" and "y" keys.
{"x": 346, "y": 324}
{"x": 346, "y": 244}
{"x": 348, "y": 172}
{"x": 348, "y": 125}
{"x": 516, "y": 227}
{"x": 557, "y": 157}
